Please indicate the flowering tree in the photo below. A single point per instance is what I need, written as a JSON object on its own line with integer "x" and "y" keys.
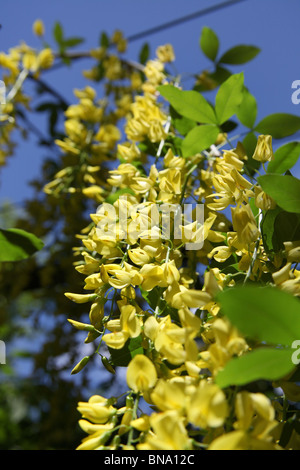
{"x": 186, "y": 234}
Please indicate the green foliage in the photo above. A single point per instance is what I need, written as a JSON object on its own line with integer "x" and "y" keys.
{"x": 247, "y": 110}
{"x": 209, "y": 43}
{"x": 277, "y": 227}
{"x": 17, "y": 244}
{"x": 284, "y": 189}
{"x": 144, "y": 53}
{"x": 198, "y": 139}
{"x": 260, "y": 364}
{"x": 264, "y": 314}
{"x": 285, "y": 158}
{"x": 279, "y": 125}
{"x": 122, "y": 357}
{"x": 229, "y": 97}
{"x": 63, "y": 42}
{"x": 115, "y": 196}
{"x": 189, "y": 104}
{"x": 238, "y": 55}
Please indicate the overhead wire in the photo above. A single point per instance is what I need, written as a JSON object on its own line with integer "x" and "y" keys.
{"x": 181, "y": 20}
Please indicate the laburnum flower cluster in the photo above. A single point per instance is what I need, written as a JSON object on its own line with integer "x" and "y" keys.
{"x": 144, "y": 286}
{"x": 20, "y": 62}
{"x": 184, "y": 338}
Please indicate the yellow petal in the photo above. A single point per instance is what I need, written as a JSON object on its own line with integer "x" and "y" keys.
{"x": 141, "y": 374}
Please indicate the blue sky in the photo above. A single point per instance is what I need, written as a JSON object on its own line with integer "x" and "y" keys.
{"x": 272, "y": 25}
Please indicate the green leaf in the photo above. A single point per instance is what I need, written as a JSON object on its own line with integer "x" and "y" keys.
{"x": 265, "y": 314}
{"x": 260, "y": 364}
{"x": 115, "y": 196}
{"x": 190, "y": 104}
{"x": 220, "y": 75}
{"x": 247, "y": 111}
{"x": 249, "y": 144}
{"x": 279, "y": 125}
{"x": 72, "y": 42}
{"x": 17, "y": 244}
{"x": 152, "y": 297}
{"x": 155, "y": 300}
{"x": 181, "y": 123}
{"x": 239, "y": 55}
{"x": 229, "y": 97}
{"x": 144, "y": 53}
{"x": 285, "y": 158}
{"x": 277, "y": 227}
{"x": 284, "y": 189}
{"x": 104, "y": 40}
{"x": 58, "y": 33}
{"x": 268, "y": 232}
{"x": 209, "y": 43}
{"x": 122, "y": 357}
{"x": 199, "y": 139}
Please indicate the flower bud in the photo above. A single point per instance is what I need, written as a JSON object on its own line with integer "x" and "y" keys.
{"x": 38, "y": 28}
{"x": 80, "y": 365}
{"x": 263, "y": 151}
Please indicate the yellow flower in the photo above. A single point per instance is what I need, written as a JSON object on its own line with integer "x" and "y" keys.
{"x": 129, "y": 152}
{"x": 129, "y": 320}
{"x": 153, "y": 275}
{"x": 292, "y": 251}
{"x": 208, "y": 406}
{"x": 244, "y": 224}
{"x": 262, "y": 200}
{"x": 169, "y": 433}
{"x": 171, "y": 395}
{"x": 116, "y": 339}
{"x": 38, "y": 28}
{"x": 30, "y": 61}
{"x": 96, "y": 410}
{"x": 263, "y": 151}
{"x": 154, "y": 71}
{"x": 80, "y": 298}
{"x": 141, "y": 374}
{"x": 45, "y": 58}
{"x": 240, "y": 440}
{"x": 191, "y": 298}
{"x": 165, "y": 53}
{"x": 142, "y": 423}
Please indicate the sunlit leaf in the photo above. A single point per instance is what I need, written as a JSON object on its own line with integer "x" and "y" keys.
{"x": 260, "y": 364}
{"x": 17, "y": 244}
{"x": 285, "y": 157}
{"x": 247, "y": 110}
{"x": 279, "y": 125}
{"x": 190, "y": 104}
{"x": 239, "y": 54}
{"x": 265, "y": 314}
{"x": 199, "y": 139}
{"x": 229, "y": 97}
{"x": 284, "y": 189}
{"x": 209, "y": 43}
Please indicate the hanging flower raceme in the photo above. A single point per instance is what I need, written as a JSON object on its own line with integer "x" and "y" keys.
{"x": 154, "y": 276}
